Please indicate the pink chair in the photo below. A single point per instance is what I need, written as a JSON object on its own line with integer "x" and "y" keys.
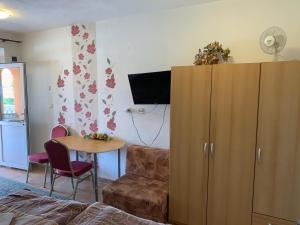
{"x": 42, "y": 157}
{"x": 62, "y": 166}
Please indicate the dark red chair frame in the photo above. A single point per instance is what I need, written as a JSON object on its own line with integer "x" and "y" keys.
{"x": 62, "y": 166}
{"x": 43, "y": 156}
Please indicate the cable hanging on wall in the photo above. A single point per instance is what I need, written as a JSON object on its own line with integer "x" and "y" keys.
{"x": 159, "y": 131}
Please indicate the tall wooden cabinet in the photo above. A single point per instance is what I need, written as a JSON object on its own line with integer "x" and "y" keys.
{"x": 213, "y": 136}
{"x": 277, "y": 171}
{"x": 235, "y": 144}
{"x": 190, "y": 134}
{"x": 233, "y": 121}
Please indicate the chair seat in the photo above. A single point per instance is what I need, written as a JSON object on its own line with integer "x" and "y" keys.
{"x": 38, "y": 157}
{"x": 79, "y": 168}
{"x": 140, "y": 196}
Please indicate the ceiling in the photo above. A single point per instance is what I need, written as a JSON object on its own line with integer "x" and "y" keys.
{"x": 34, "y": 15}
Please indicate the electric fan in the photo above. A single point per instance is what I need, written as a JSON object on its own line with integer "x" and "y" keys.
{"x": 272, "y": 41}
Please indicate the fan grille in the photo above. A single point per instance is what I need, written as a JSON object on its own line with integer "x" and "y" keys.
{"x": 280, "y": 40}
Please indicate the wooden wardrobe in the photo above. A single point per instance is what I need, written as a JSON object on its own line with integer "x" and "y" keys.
{"x": 225, "y": 122}
{"x": 277, "y": 171}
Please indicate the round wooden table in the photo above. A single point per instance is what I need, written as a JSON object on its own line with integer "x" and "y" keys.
{"x": 80, "y": 144}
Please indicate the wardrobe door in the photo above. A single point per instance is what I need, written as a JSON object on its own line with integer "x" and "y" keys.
{"x": 190, "y": 112}
{"x": 277, "y": 171}
{"x": 235, "y": 89}
{"x": 267, "y": 220}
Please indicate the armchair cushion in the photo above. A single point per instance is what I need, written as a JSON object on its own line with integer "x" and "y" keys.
{"x": 140, "y": 196}
{"x": 152, "y": 163}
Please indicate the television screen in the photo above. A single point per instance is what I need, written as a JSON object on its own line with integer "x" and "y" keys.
{"x": 150, "y": 88}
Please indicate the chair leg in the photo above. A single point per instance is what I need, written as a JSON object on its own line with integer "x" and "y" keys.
{"x": 72, "y": 180}
{"x": 52, "y": 184}
{"x": 28, "y": 169}
{"x": 75, "y": 190}
{"x": 93, "y": 180}
{"x": 46, "y": 173}
{"x": 51, "y": 175}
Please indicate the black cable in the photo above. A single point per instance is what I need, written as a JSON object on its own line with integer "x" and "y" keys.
{"x": 137, "y": 131}
{"x": 158, "y": 133}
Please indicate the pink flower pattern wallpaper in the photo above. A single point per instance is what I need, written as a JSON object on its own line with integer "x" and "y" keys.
{"x": 83, "y": 74}
{"x": 85, "y": 78}
{"x": 108, "y": 111}
{"x": 61, "y": 82}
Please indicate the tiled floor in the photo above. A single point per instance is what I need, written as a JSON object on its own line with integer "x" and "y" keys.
{"x": 62, "y": 186}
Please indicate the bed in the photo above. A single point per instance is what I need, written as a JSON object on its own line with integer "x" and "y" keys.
{"x": 26, "y": 207}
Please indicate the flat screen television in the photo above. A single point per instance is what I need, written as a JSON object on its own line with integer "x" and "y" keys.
{"x": 150, "y": 88}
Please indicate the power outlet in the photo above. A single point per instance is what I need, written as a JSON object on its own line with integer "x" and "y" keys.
{"x": 141, "y": 110}
{"x": 138, "y": 110}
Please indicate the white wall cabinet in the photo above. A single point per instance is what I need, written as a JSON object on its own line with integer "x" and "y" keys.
{"x": 14, "y": 146}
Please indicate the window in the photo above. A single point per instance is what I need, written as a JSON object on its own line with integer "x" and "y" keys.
{"x": 7, "y": 80}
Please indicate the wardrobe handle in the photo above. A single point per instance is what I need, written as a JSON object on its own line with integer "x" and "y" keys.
{"x": 205, "y": 148}
{"x": 259, "y": 154}
{"x": 212, "y": 150}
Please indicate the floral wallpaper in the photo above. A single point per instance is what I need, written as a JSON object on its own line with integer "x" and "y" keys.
{"x": 62, "y": 99}
{"x": 108, "y": 100}
{"x": 85, "y": 78}
{"x": 83, "y": 74}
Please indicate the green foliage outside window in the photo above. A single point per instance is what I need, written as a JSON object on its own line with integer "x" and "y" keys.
{"x": 8, "y": 101}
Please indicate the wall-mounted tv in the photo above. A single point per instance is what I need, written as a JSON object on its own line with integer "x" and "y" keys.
{"x": 150, "y": 88}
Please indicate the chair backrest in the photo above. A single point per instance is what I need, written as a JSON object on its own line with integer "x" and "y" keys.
{"x": 58, "y": 155}
{"x": 148, "y": 162}
{"x": 59, "y": 131}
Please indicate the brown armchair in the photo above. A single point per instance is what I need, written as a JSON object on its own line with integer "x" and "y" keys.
{"x": 143, "y": 190}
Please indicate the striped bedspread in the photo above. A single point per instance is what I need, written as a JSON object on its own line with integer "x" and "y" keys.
{"x": 28, "y": 208}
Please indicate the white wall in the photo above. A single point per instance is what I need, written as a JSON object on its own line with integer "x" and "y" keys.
{"x": 41, "y": 116}
{"x": 157, "y": 41}
{"x": 47, "y": 54}
{"x": 10, "y": 48}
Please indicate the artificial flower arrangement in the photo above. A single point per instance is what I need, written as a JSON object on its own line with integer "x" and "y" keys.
{"x": 212, "y": 54}
{"x": 98, "y": 136}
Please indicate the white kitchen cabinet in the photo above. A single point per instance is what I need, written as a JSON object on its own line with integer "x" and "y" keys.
{"x": 14, "y": 146}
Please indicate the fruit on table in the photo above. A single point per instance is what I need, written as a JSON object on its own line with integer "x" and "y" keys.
{"x": 98, "y": 136}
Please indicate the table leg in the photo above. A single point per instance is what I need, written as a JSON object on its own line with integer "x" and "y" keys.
{"x": 77, "y": 157}
{"x": 96, "y": 176}
{"x": 119, "y": 163}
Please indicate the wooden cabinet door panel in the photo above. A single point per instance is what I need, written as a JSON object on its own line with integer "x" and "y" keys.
{"x": 190, "y": 111}
{"x": 266, "y": 220}
{"x": 235, "y": 89}
{"x": 277, "y": 173}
